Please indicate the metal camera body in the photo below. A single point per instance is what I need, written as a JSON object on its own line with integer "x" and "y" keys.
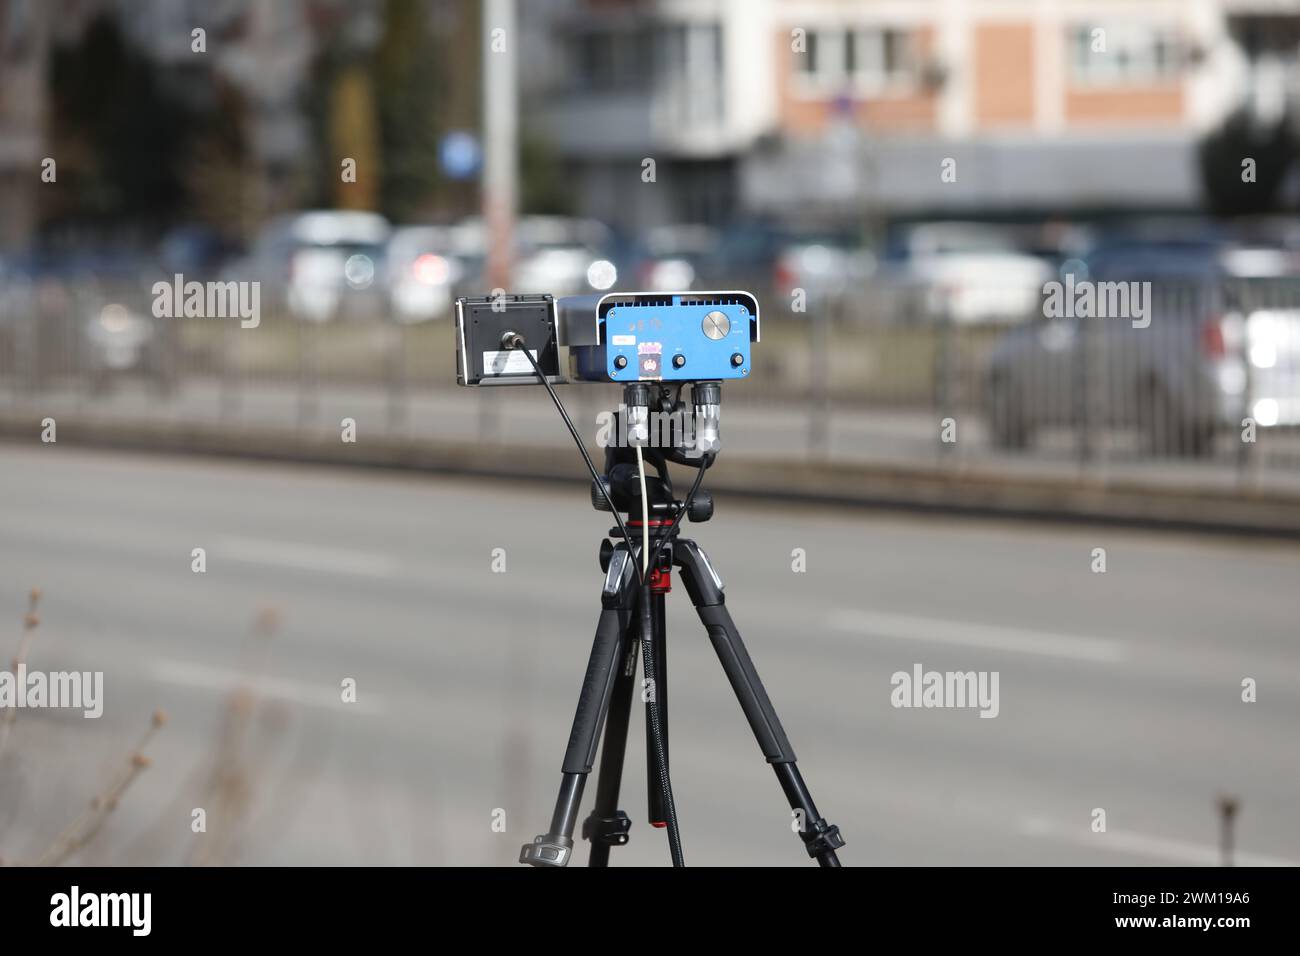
{"x": 659, "y": 336}
{"x": 621, "y": 337}
{"x": 650, "y": 342}
{"x": 483, "y": 354}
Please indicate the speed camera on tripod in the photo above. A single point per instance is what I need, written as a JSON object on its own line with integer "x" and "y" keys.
{"x": 669, "y": 337}
{"x": 654, "y": 344}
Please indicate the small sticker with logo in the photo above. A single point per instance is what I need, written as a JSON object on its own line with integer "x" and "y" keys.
{"x": 650, "y": 359}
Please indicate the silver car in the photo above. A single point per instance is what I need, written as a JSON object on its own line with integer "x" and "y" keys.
{"x": 322, "y": 264}
{"x": 1218, "y": 347}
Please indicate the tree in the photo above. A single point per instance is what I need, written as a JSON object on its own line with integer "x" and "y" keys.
{"x": 1273, "y": 150}
{"x": 410, "y": 78}
{"x": 120, "y": 140}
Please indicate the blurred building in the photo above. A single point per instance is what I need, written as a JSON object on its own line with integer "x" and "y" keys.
{"x": 820, "y": 109}
{"x": 802, "y": 109}
{"x": 685, "y": 83}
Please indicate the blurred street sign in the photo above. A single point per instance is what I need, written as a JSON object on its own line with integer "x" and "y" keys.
{"x": 459, "y": 155}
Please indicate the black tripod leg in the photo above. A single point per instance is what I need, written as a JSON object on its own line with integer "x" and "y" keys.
{"x": 658, "y": 815}
{"x": 705, "y": 588}
{"x": 554, "y": 847}
{"x": 608, "y": 826}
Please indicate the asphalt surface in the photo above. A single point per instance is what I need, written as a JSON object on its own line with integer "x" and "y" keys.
{"x": 1119, "y": 691}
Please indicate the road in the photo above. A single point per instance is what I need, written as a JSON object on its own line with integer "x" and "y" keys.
{"x": 1118, "y": 690}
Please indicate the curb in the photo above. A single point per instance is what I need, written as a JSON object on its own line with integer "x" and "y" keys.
{"x": 956, "y": 491}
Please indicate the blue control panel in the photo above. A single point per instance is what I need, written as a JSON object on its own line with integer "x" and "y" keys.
{"x": 670, "y": 338}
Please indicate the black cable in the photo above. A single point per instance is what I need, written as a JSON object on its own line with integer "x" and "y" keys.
{"x": 657, "y": 732}
{"x": 577, "y": 439}
{"x": 677, "y": 518}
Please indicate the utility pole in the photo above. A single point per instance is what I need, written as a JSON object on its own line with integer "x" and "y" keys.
{"x": 24, "y": 58}
{"x": 500, "y": 137}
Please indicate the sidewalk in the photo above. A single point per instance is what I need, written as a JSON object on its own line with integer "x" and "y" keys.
{"x": 877, "y": 459}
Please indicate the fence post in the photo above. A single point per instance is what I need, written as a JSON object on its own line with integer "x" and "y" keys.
{"x": 230, "y": 352}
{"x": 1242, "y": 299}
{"x": 945, "y": 366}
{"x": 1228, "y": 807}
{"x": 307, "y": 361}
{"x": 394, "y": 340}
{"x": 1086, "y": 392}
{"x": 819, "y": 373}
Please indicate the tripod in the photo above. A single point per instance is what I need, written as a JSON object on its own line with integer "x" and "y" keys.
{"x": 608, "y": 685}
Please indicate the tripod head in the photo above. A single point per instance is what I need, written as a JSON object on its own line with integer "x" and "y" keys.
{"x": 654, "y": 418}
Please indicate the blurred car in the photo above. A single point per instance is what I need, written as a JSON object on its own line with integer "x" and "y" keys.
{"x": 121, "y": 341}
{"x": 744, "y": 257}
{"x": 964, "y": 272}
{"x": 564, "y": 256}
{"x": 1212, "y": 354}
{"x": 670, "y": 257}
{"x": 555, "y": 254}
{"x": 423, "y": 269}
{"x": 321, "y": 265}
{"x": 772, "y": 259}
{"x": 82, "y": 315}
{"x": 195, "y": 251}
{"x": 825, "y": 270}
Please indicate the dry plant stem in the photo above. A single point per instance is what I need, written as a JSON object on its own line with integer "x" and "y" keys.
{"x": 88, "y": 825}
{"x": 223, "y": 783}
{"x": 229, "y": 790}
{"x": 30, "y": 622}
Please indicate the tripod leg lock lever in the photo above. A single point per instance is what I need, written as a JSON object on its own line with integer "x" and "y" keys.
{"x": 549, "y": 849}
{"x": 822, "y": 837}
{"x": 610, "y": 831}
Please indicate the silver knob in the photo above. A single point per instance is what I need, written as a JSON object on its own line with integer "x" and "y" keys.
{"x": 716, "y": 325}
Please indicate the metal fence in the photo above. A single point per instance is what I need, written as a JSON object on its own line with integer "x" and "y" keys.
{"x": 1208, "y": 389}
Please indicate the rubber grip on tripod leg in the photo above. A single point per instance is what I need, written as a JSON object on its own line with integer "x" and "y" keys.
{"x": 745, "y": 682}
{"x": 597, "y": 685}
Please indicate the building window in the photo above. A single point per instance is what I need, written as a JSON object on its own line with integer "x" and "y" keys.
{"x": 808, "y": 63}
{"x": 679, "y": 66}
{"x": 863, "y": 60}
{"x": 1124, "y": 54}
{"x": 610, "y": 60}
{"x": 878, "y": 59}
{"x": 690, "y": 73}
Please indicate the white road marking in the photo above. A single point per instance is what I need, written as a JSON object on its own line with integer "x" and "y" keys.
{"x": 1019, "y": 640}
{"x": 1139, "y": 844}
{"x": 206, "y": 677}
{"x": 311, "y": 557}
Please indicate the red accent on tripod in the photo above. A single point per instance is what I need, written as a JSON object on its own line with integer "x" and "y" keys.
{"x": 661, "y": 580}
